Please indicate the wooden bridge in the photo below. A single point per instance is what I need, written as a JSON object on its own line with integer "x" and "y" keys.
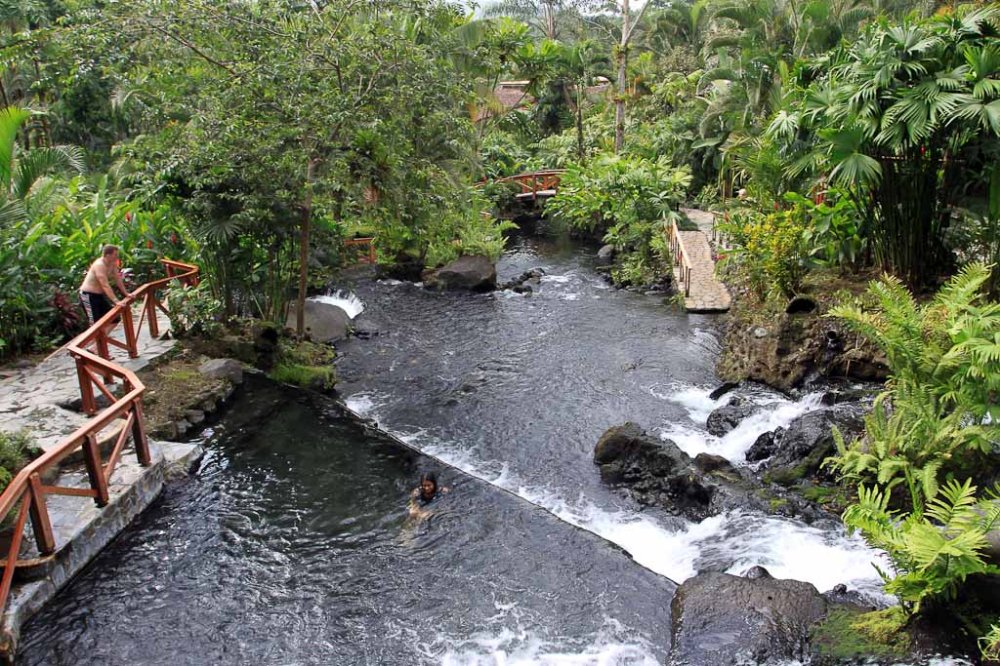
{"x": 694, "y": 265}
{"x": 535, "y": 185}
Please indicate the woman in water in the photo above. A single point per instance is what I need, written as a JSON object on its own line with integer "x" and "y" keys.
{"x": 424, "y": 494}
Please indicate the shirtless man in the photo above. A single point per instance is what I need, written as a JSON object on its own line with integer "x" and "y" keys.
{"x": 96, "y": 294}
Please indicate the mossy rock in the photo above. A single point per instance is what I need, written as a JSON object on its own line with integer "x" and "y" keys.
{"x": 848, "y": 634}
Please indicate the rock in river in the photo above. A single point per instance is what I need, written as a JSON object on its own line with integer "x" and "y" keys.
{"x": 474, "y": 273}
{"x": 722, "y": 619}
{"x": 727, "y": 417}
{"x": 324, "y": 322}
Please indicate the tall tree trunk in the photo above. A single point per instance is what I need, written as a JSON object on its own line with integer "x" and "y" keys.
{"x": 622, "y": 58}
{"x": 579, "y": 119}
{"x": 307, "y": 201}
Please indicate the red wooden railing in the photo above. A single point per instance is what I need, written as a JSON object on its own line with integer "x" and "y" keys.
{"x": 680, "y": 258}
{"x": 94, "y": 368}
{"x": 538, "y": 181}
{"x": 367, "y": 244}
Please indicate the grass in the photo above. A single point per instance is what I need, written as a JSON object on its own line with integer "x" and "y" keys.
{"x": 306, "y": 364}
{"x": 16, "y": 450}
{"x": 173, "y": 387}
{"x": 306, "y": 376}
{"x": 849, "y": 634}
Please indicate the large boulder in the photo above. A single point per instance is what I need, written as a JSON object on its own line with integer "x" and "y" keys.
{"x": 799, "y": 451}
{"x": 324, "y": 322}
{"x": 222, "y": 368}
{"x": 474, "y": 273}
{"x": 725, "y": 418}
{"x": 721, "y": 619}
{"x": 658, "y": 473}
{"x": 655, "y": 472}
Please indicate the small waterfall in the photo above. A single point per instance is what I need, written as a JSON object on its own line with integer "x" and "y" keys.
{"x": 346, "y": 301}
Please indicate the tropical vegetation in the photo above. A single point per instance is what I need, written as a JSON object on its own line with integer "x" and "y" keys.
{"x": 846, "y": 137}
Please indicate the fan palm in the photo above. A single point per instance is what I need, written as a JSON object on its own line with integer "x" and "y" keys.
{"x": 21, "y": 170}
{"x": 893, "y": 113}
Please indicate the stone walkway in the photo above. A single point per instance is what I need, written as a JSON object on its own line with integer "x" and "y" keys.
{"x": 45, "y": 398}
{"x": 707, "y": 293}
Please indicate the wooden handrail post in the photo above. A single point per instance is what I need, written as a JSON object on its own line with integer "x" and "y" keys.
{"x": 139, "y": 439}
{"x": 150, "y": 305}
{"x": 40, "y": 522}
{"x": 687, "y": 283}
{"x": 92, "y": 458}
{"x": 86, "y": 388}
{"x": 15, "y": 547}
{"x": 131, "y": 335}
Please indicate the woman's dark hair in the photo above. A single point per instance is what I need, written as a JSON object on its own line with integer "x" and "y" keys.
{"x": 430, "y": 476}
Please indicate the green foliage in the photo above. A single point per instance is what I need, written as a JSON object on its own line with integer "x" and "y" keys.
{"x": 990, "y": 644}
{"x": 932, "y": 550}
{"x": 769, "y": 252}
{"x": 937, "y": 420}
{"x": 193, "y": 311}
{"x": 834, "y": 230}
{"x": 847, "y": 634}
{"x": 940, "y": 410}
{"x": 16, "y": 449}
{"x": 631, "y": 201}
{"x": 896, "y": 117}
{"x": 306, "y": 364}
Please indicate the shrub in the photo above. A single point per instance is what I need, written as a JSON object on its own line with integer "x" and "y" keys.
{"x": 769, "y": 252}
{"x": 16, "y": 450}
{"x": 630, "y": 201}
{"x": 193, "y": 311}
{"x": 935, "y": 423}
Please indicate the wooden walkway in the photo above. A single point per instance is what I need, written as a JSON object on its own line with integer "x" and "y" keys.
{"x": 694, "y": 266}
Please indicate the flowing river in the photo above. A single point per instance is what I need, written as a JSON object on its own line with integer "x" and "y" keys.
{"x": 292, "y": 542}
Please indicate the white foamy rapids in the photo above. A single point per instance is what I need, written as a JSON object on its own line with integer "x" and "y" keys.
{"x": 733, "y": 541}
{"x": 346, "y": 301}
{"x": 362, "y": 404}
{"x": 524, "y": 644}
{"x": 789, "y": 549}
{"x": 694, "y": 439}
{"x": 558, "y": 279}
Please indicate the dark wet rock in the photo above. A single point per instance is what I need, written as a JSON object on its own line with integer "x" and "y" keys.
{"x": 708, "y": 462}
{"x": 223, "y": 368}
{"x": 526, "y": 281}
{"x": 324, "y": 322}
{"x": 788, "y": 349}
{"x": 722, "y": 619}
{"x": 808, "y": 441}
{"x": 757, "y": 572}
{"x": 841, "y": 595}
{"x": 728, "y": 416}
{"x": 764, "y": 446}
{"x": 473, "y": 273}
{"x": 655, "y": 472}
{"x": 364, "y": 328}
{"x": 801, "y": 305}
{"x": 606, "y": 253}
{"x": 723, "y": 390}
{"x": 840, "y": 396}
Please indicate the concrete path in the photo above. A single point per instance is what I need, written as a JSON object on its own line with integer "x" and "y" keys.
{"x": 707, "y": 293}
